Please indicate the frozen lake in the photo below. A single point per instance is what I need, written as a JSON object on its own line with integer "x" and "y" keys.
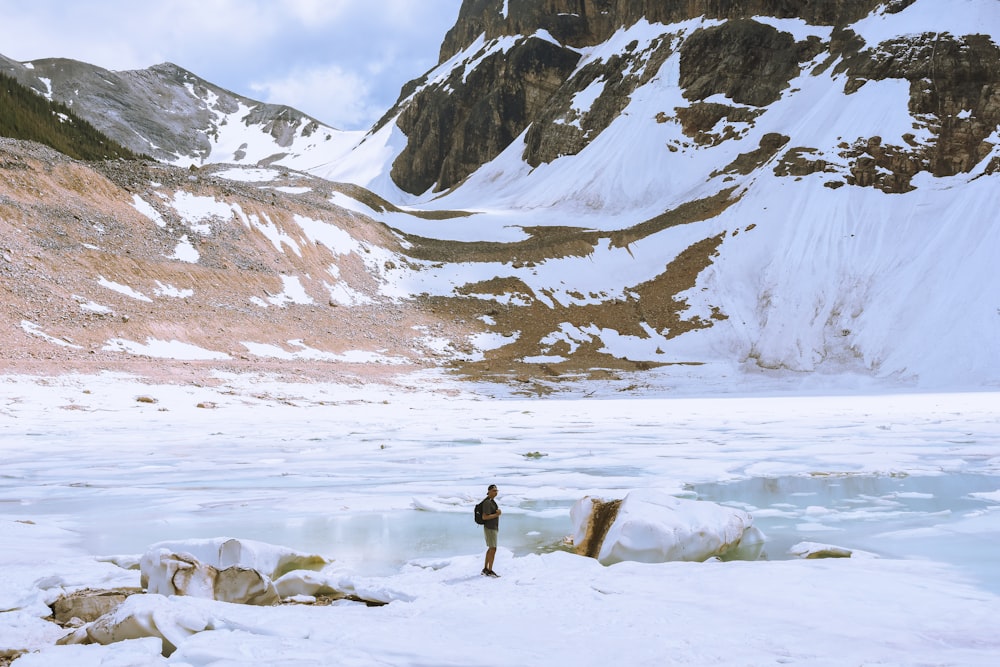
{"x": 897, "y": 517}
{"x": 384, "y": 481}
{"x": 925, "y": 517}
{"x": 379, "y": 483}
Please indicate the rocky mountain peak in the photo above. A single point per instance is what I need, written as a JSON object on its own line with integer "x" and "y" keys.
{"x": 164, "y": 111}
{"x": 556, "y": 72}
{"x": 581, "y": 23}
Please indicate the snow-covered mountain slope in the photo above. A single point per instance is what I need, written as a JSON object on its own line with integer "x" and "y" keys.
{"x": 849, "y": 202}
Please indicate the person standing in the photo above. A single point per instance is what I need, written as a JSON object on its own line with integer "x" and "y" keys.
{"x": 491, "y": 529}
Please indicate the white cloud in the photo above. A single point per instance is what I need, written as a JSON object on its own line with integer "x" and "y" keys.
{"x": 318, "y": 12}
{"x": 328, "y": 92}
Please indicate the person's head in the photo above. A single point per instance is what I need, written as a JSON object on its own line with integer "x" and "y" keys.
{"x": 491, "y": 491}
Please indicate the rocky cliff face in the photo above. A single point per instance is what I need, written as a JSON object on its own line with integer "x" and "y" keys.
{"x": 460, "y": 123}
{"x": 954, "y": 89}
{"x": 582, "y": 23}
{"x": 517, "y": 67}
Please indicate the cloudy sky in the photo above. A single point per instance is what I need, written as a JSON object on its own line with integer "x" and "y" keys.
{"x": 341, "y": 61}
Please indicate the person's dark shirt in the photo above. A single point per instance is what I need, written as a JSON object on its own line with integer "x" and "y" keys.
{"x": 490, "y": 507}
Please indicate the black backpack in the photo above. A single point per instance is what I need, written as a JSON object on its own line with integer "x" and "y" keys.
{"x": 478, "y": 512}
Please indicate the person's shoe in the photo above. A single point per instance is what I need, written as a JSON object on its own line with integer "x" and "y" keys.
{"x": 486, "y": 572}
{"x": 491, "y": 573}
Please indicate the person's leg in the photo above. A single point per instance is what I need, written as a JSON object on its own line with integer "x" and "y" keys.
{"x": 491, "y": 549}
{"x": 490, "y": 554}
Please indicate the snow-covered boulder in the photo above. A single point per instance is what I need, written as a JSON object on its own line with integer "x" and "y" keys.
{"x": 650, "y": 526}
{"x": 226, "y": 569}
{"x": 144, "y": 616}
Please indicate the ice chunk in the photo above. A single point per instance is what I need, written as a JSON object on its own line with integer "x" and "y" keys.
{"x": 651, "y": 526}
{"x": 222, "y": 552}
{"x": 226, "y": 569}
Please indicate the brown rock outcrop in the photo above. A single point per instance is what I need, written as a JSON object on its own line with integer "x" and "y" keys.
{"x": 456, "y": 126}
{"x": 954, "y": 91}
{"x": 748, "y": 62}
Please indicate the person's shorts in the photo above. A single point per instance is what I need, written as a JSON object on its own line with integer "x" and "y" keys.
{"x": 491, "y": 537}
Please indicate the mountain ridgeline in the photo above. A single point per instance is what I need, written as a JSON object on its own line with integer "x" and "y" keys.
{"x": 584, "y": 23}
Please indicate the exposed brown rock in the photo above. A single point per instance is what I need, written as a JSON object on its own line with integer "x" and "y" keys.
{"x": 954, "y": 94}
{"x": 700, "y": 118}
{"x": 88, "y": 605}
{"x": 456, "y": 126}
{"x": 748, "y": 62}
{"x": 602, "y": 515}
{"x": 746, "y": 163}
{"x": 796, "y": 162}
